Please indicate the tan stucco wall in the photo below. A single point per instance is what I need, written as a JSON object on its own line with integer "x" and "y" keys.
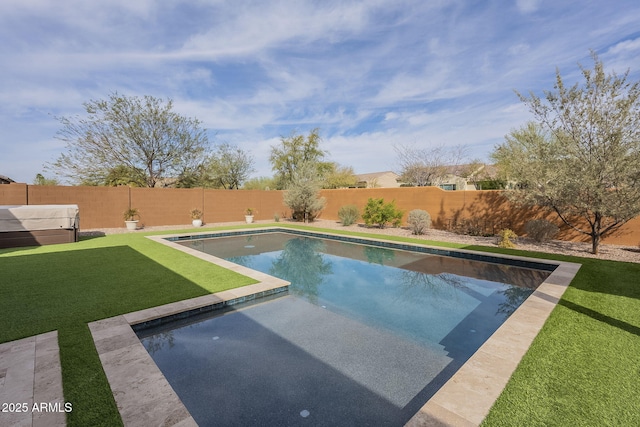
{"x": 102, "y": 207}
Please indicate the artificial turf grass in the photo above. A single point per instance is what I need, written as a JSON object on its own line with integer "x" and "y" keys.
{"x": 584, "y": 365}
{"x": 85, "y": 383}
{"x": 556, "y": 382}
{"x": 579, "y": 372}
{"x": 64, "y": 287}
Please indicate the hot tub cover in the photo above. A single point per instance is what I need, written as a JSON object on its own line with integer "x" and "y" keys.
{"x": 38, "y": 217}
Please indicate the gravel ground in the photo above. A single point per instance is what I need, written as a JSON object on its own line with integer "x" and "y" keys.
{"x": 611, "y": 252}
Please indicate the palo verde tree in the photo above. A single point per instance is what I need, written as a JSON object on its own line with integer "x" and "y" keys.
{"x": 337, "y": 176}
{"x": 581, "y": 156}
{"x": 294, "y": 152}
{"x": 132, "y": 134}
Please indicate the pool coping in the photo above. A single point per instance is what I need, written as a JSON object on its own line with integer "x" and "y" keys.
{"x": 144, "y": 396}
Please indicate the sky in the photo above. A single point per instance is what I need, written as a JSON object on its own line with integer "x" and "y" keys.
{"x": 370, "y": 74}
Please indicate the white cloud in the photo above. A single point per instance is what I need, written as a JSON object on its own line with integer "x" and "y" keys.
{"x": 527, "y": 6}
{"x": 368, "y": 74}
{"x": 519, "y": 49}
{"x": 252, "y": 29}
{"x": 625, "y": 47}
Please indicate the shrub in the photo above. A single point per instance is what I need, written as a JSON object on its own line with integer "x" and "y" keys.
{"x": 348, "y": 214}
{"x": 419, "y": 221}
{"x": 541, "y": 230}
{"x": 380, "y": 213}
{"x": 304, "y": 203}
{"x": 302, "y": 196}
{"x": 504, "y": 238}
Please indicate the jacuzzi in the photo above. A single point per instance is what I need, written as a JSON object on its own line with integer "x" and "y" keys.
{"x": 36, "y": 225}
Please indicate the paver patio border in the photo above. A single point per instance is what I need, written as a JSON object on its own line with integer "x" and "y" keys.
{"x": 31, "y": 377}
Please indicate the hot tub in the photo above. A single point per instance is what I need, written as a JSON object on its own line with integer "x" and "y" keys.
{"x": 36, "y": 225}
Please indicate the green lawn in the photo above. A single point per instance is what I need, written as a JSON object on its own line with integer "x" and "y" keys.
{"x": 582, "y": 369}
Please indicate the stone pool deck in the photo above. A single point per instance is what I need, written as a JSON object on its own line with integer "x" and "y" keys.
{"x": 31, "y": 382}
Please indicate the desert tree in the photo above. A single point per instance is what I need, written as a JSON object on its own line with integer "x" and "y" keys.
{"x": 130, "y": 132}
{"x": 477, "y": 173}
{"x": 428, "y": 166}
{"x": 260, "y": 183}
{"x": 335, "y": 175}
{"x": 229, "y": 166}
{"x": 125, "y": 175}
{"x": 580, "y": 158}
{"x": 41, "y": 180}
{"x": 293, "y": 152}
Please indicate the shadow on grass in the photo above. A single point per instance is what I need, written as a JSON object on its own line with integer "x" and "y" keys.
{"x": 91, "y": 235}
{"x": 42, "y": 292}
{"x": 11, "y": 250}
{"x": 66, "y": 290}
{"x": 601, "y": 317}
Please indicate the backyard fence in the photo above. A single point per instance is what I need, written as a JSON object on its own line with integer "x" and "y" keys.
{"x": 469, "y": 212}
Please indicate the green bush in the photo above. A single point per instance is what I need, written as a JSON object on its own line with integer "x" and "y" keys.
{"x": 541, "y": 230}
{"x": 380, "y": 213}
{"x": 303, "y": 195}
{"x": 419, "y": 221}
{"x": 348, "y": 214}
{"x": 504, "y": 238}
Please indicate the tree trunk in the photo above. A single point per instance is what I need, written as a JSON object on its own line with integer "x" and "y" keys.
{"x": 595, "y": 233}
{"x": 595, "y": 242}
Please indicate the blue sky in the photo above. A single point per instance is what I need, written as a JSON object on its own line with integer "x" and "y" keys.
{"x": 369, "y": 74}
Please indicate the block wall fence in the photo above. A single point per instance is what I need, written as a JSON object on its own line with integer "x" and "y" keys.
{"x": 102, "y": 207}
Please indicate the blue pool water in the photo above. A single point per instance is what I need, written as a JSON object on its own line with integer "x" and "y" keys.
{"x": 364, "y": 336}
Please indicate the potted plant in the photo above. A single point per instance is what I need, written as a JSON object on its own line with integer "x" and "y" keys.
{"x": 130, "y": 218}
{"x": 249, "y": 215}
{"x": 196, "y": 217}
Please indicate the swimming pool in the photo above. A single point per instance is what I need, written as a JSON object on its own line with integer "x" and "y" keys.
{"x": 365, "y": 335}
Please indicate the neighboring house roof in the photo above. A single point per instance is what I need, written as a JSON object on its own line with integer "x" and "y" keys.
{"x": 5, "y": 180}
{"x": 462, "y": 176}
{"x": 456, "y": 170}
{"x": 374, "y": 175}
{"x": 378, "y": 179}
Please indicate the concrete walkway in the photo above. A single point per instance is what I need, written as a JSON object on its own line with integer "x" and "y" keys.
{"x": 31, "y": 382}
